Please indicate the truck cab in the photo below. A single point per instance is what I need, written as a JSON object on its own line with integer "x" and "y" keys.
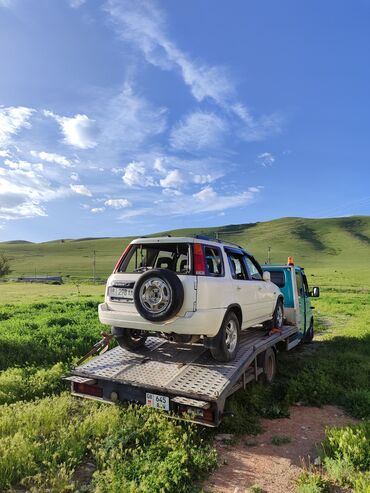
{"x": 292, "y": 281}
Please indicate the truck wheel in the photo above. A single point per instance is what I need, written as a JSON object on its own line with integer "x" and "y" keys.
{"x": 130, "y": 338}
{"x": 269, "y": 365}
{"x": 158, "y": 295}
{"x": 227, "y": 339}
{"x": 308, "y": 336}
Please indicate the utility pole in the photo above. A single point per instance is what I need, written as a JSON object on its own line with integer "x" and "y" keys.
{"x": 94, "y": 265}
{"x": 269, "y": 255}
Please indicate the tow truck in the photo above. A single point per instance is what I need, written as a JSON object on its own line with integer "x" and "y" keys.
{"x": 183, "y": 379}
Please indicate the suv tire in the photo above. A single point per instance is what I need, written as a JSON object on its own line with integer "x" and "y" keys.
{"x": 130, "y": 338}
{"x": 158, "y": 295}
{"x": 227, "y": 339}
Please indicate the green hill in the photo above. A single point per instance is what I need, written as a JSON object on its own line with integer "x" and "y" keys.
{"x": 337, "y": 243}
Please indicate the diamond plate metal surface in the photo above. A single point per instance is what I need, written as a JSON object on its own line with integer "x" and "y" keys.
{"x": 177, "y": 368}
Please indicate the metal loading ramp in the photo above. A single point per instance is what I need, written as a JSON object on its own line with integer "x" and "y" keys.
{"x": 181, "y": 369}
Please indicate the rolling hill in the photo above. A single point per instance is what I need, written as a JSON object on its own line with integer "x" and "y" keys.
{"x": 336, "y": 243}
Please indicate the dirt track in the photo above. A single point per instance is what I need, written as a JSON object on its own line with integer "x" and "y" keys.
{"x": 256, "y": 461}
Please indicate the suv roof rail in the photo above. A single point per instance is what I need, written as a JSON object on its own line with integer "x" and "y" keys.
{"x": 220, "y": 240}
{"x": 202, "y": 237}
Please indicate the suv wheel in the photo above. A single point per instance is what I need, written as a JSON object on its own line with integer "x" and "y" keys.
{"x": 227, "y": 339}
{"x": 158, "y": 295}
{"x": 130, "y": 338}
{"x": 278, "y": 316}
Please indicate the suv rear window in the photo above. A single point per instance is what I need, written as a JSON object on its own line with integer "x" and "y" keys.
{"x": 172, "y": 256}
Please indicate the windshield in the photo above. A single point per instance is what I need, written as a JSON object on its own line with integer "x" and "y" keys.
{"x": 172, "y": 256}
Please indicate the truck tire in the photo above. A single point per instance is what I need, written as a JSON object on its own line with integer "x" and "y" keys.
{"x": 130, "y": 338}
{"x": 269, "y": 365}
{"x": 228, "y": 339}
{"x": 309, "y": 334}
{"x": 158, "y": 295}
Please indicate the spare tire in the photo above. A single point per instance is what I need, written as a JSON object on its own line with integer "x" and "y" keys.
{"x": 158, "y": 295}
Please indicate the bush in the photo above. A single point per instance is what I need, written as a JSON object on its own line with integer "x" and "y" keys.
{"x": 350, "y": 444}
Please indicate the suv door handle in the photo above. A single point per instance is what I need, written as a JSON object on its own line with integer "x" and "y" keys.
{"x": 259, "y": 289}
{"x": 238, "y": 288}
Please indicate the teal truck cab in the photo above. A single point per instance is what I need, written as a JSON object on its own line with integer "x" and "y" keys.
{"x": 292, "y": 281}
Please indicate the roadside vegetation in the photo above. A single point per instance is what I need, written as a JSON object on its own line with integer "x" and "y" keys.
{"x": 50, "y": 441}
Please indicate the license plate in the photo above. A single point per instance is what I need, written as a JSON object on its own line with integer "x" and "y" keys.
{"x": 115, "y": 292}
{"x": 158, "y": 401}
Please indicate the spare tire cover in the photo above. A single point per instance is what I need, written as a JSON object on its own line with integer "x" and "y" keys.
{"x": 158, "y": 295}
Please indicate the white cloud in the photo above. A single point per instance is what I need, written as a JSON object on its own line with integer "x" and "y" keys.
{"x": 128, "y": 120}
{"x": 4, "y": 153}
{"x": 203, "y": 179}
{"x": 22, "y": 193}
{"x": 199, "y": 130}
{"x": 174, "y": 179}
{"x": 75, "y": 4}
{"x": 12, "y": 120}
{"x": 97, "y": 210}
{"x": 117, "y": 203}
{"x": 205, "y": 195}
{"x": 144, "y": 25}
{"x": 81, "y": 190}
{"x": 74, "y": 176}
{"x": 136, "y": 175}
{"x": 171, "y": 192}
{"x": 255, "y": 129}
{"x": 266, "y": 159}
{"x": 51, "y": 157}
{"x": 23, "y": 165}
{"x": 79, "y": 131}
{"x": 159, "y": 165}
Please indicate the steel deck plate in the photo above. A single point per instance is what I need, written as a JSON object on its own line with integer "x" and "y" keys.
{"x": 180, "y": 369}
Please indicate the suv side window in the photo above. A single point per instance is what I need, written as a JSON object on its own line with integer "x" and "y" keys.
{"x": 254, "y": 272}
{"x": 298, "y": 276}
{"x": 213, "y": 261}
{"x": 237, "y": 266}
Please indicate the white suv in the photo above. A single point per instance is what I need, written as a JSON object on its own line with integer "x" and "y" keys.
{"x": 188, "y": 289}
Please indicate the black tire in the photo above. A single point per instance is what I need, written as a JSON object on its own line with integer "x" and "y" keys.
{"x": 269, "y": 365}
{"x": 130, "y": 338}
{"x": 309, "y": 334}
{"x": 158, "y": 295}
{"x": 278, "y": 317}
{"x": 228, "y": 339}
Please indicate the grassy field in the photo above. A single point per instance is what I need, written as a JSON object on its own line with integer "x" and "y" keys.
{"x": 51, "y": 442}
{"x": 341, "y": 244}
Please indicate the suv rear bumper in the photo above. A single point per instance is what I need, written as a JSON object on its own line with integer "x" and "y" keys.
{"x": 201, "y": 322}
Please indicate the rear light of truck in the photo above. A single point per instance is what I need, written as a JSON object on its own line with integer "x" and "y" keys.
{"x": 83, "y": 388}
{"x": 206, "y": 415}
{"x": 199, "y": 260}
{"x": 125, "y": 252}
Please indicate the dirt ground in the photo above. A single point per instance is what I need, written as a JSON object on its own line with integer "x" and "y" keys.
{"x": 254, "y": 460}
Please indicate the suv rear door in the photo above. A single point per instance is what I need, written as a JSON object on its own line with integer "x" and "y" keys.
{"x": 264, "y": 295}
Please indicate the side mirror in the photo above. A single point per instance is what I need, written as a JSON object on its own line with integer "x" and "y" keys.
{"x": 315, "y": 293}
{"x": 266, "y": 276}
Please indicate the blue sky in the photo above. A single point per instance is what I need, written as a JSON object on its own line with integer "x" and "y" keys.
{"x": 127, "y": 117}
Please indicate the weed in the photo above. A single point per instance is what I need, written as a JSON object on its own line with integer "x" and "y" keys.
{"x": 255, "y": 489}
{"x": 280, "y": 440}
{"x": 312, "y": 482}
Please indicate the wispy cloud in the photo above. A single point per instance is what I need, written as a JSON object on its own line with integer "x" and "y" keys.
{"x": 199, "y": 130}
{"x": 117, "y": 203}
{"x": 22, "y": 193}
{"x": 12, "y": 120}
{"x": 51, "y": 157}
{"x": 266, "y": 159}
{"x": 81, "y": 190}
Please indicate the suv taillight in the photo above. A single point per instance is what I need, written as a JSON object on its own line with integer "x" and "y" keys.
{"x": 125, "y": 252}
{"x": 199, "y": 260}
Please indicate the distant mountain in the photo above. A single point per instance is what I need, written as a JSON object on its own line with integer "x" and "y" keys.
{"x": 335, "y": 243}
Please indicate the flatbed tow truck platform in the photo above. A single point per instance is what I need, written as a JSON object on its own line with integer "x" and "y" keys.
{"x": 180, "y": 378}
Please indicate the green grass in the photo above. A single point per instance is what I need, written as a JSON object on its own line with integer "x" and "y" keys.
{"x": 340, "y": 244}
{"x": 46, "y": 442}
{"x": 280, "y": 440}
